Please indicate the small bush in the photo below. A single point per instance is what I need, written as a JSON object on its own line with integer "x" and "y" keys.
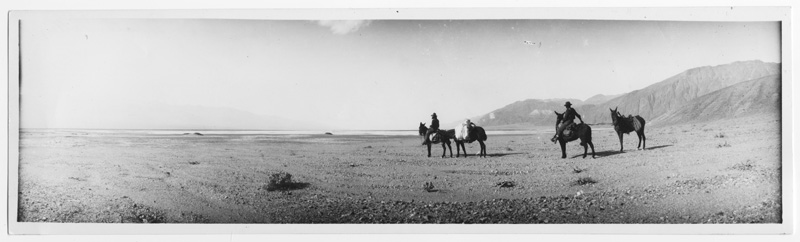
{"x": 428, "y": 187}
{"x": 724, "y": 145}
{"x": 194, "y": 162}
{"x": 744, "y": 166}
{"x": 720, "y": 135}
{"x": 279, "y": 181}
{"x": 584, "y": 181}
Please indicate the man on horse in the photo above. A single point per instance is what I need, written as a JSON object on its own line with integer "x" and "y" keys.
{"x": 432, "y": 129}
{"x": 569, "y": 116}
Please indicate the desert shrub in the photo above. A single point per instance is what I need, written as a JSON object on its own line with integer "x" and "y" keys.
{"x": 279, "y": 181}
{"x": 428, "y": 187}
{"x": 584, "y": 181}
{"x": 723, "y": 145}
{"x": 509, "y": 149}
{"x": 193, "y": 162}
{"x": 744, "y": 166}
{"x": 720, "y": 135}
{"x": 505, "y": 184}
{"x": 577, "y": 170}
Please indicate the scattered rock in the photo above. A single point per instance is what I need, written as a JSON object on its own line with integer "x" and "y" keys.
{"x": 585, "y": 181}
{"x": 505, "y": 184}
{"x": 428, "y": 187}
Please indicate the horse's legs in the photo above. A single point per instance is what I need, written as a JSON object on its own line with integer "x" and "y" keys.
{"x": 451, "y": 149}
{"x": 585, "y": 148}
{"x": 429, "y": 149}
{"x": 639, "y": 145}
{"x": 644, "y": 140}
{"x": 483, "y": 148}
{"x": 592, "y": 145}
{"x": 461, "y": 146}
{"x": 620, "y": 141}
{"x": 458, "y": 150}
{"x": 444, "y": 150}
{"x": 563, "y": 148}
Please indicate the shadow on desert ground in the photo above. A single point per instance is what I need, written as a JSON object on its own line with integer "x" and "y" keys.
{"x": 607, "y": 153}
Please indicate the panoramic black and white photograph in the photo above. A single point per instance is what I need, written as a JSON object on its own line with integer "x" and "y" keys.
{"x": 187, "y": 120}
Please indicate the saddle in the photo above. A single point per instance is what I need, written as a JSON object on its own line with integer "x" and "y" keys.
{"x": 570, "y": 129}
{"x": 435, "y": 137}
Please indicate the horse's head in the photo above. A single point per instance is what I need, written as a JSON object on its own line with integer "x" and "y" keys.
{"x": 614, "y": 115}
{"x": 559, "y": 117}
{"x": 422, "y": 129}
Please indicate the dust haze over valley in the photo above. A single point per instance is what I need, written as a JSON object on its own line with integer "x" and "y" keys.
{"x": 713, "y": 112}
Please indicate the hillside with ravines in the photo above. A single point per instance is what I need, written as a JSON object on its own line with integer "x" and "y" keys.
{"x": 755, "y": 97}
{"x": 698, "y": 94}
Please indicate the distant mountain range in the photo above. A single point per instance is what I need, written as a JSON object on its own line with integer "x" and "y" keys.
{"x": 164, "y": 116}
{"x": 698, "y": 94}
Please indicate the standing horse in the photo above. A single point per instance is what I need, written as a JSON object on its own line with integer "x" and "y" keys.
{"x": 444, "y": 137}
{"x": 467, "y": 132}
{"x": 624, "y": 125}
{"x": 581, "y": 131}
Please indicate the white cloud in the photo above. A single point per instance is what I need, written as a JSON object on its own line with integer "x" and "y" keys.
{"x": 344, "y": 26}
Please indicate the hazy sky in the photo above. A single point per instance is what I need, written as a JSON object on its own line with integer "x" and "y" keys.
{"x": 381, "y": 74}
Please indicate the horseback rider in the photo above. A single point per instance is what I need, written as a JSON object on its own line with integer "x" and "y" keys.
{"x": 569, "y": 116}
{"x": 432, "y": 129}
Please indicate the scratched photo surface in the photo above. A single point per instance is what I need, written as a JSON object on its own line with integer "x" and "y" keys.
{"x": 141, "y": 120}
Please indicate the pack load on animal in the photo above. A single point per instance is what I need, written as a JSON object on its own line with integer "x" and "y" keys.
{"x": 462, "y": 130}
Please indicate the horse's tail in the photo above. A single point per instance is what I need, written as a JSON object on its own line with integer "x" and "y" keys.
{"x": 638, "y": 123}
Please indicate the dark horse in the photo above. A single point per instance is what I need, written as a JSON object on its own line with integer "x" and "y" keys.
{"x": 580, "y": 131}
{"x": 443, "y": 136}
{"x": 475, "y": 133}
{"x": 624, "y": 125}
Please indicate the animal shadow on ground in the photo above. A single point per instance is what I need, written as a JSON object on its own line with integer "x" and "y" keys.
{"x": 289, "y": 186}
{"x": 658, "y": 147}
{"x": 616, "y": 152}
{"x": 503, "y": 154}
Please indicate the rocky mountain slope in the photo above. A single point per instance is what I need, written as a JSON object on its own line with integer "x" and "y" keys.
{"x": 760, "y": 96}
{"x": 674, "y": 92}
{"x": 677, "y": 99}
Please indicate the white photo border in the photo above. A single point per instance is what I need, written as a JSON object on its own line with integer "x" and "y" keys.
{"x": 738, "y": 13}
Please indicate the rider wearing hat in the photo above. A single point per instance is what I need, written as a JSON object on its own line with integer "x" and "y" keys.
{"x": 432, "y": 129}
{"x": 569, "y": 116}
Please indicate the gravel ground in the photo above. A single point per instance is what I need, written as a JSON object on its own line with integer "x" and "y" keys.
{"x": 723, "y": 172}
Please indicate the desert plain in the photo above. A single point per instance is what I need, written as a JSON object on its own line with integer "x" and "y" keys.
{"x": 726, "y": 171}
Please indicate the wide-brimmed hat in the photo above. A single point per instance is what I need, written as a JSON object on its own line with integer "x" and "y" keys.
{"x": 433, "y": 115}
{"x": 568, "y": 104}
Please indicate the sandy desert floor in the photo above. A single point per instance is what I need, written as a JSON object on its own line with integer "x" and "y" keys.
{"x": 720, "y": 172}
